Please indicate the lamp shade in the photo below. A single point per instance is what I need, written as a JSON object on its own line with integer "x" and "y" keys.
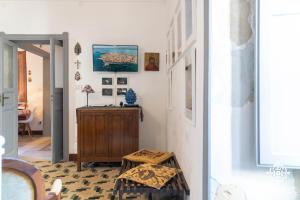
{"x": 88, "y": 89}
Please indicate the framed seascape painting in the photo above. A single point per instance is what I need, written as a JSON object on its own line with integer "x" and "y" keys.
{"x": 115, "y": 58}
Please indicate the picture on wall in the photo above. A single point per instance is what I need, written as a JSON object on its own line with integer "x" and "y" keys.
{"x": 107, "y": 81}
{"x": 121, "y": 91}
{"x": 151, "y": 61}
{"x": 190, "y": 85}
{"x": 107, "y": 91}
{"x": 122, "y": 81}
{"x": 115, "y": 58}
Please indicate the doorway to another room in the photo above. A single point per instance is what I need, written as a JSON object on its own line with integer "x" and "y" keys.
{"x": 36, "y": 101}
{"x": 34, "y": 120}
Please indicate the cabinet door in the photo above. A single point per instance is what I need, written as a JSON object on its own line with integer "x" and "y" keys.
{"x": 123, "y": 133}
{"x": 101, "y": 135}
{"x": 116, "y": 134}
{"x": 130, "y": 133}
{"x": 87, "y": 135}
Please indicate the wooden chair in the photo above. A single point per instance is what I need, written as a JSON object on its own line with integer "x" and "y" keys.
{"x": 20, "y": 180}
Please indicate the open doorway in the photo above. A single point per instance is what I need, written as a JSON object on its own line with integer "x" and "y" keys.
{"x": 55, "y": 49}
{"x": 34, "y": 120}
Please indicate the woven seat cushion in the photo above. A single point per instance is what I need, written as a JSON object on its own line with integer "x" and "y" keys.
{"x": 148, "y": 156}
{"x": 151, "y": 175}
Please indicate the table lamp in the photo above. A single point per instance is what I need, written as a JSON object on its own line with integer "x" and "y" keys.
{"x": 87, "y": 89}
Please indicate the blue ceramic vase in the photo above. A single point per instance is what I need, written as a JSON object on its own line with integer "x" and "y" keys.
{"x": 130, "y": 97}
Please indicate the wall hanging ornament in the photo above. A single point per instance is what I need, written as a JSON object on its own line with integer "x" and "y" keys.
{"x": 130, "y": 97}
{"x": 77, "y": 49}
{"x": 78, "y": 63}
{"x": 88, "y": 89}
{"x": 77, "y": 76}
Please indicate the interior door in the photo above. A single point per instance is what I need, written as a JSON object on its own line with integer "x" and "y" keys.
{"x": 9, "y": 96}
{"x": 56, "y": 95}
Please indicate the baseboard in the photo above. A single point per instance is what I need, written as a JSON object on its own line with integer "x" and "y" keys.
{"x": 73, "y": 157}
{"x": 37, "y": 132}
{"x": 33, "y": 132}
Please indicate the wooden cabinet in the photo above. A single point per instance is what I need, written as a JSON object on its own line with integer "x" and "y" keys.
{"x": 106, "y": 134}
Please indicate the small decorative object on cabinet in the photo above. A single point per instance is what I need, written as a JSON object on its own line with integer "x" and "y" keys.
{"x": 77, "y": 49}
{"x": 88, "y": 89}
{"x": 106, "y": 134}
{"x": 130, "y": 97}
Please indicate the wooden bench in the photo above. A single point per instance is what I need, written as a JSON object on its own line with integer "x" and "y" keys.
{"x": 177, "y": 186}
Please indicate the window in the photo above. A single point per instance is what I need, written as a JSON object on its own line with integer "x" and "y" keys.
{"x": 278, "y": 83}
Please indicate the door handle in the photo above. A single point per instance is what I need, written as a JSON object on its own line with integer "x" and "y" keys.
{"x": 3, "y": 99}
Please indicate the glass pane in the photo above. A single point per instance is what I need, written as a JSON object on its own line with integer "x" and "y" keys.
{"x": 7, "y": 66}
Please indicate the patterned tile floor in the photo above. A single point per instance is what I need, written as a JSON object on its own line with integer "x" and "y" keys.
{"x": 90, "y": 183}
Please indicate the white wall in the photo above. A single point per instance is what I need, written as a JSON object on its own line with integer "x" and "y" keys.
{"x": 183, "y": 138}
{"x": 102, "y": 22}
{"x": 35, "y": 89}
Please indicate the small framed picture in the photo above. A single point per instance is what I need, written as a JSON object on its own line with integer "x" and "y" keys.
{"x": 151, "y": 61}
{"x": 107, "y": 81}
{"x": 107, "y": 91}
{"x": 121, "y": 91}
{"x": 122, "y": 81}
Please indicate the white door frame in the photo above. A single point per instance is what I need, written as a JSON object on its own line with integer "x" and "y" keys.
{"x": 45, "y": 38}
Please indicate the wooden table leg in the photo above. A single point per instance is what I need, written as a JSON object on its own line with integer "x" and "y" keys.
{"x": 112, "y": 197}
{"x": 150, "y": 196}
{"x": 181, "y": 196}
{"x": 78, "y": 166}
{"x": 120, "y": 195}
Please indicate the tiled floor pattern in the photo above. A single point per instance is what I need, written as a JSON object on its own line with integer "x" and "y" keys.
{"x": 90, "y": 183}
